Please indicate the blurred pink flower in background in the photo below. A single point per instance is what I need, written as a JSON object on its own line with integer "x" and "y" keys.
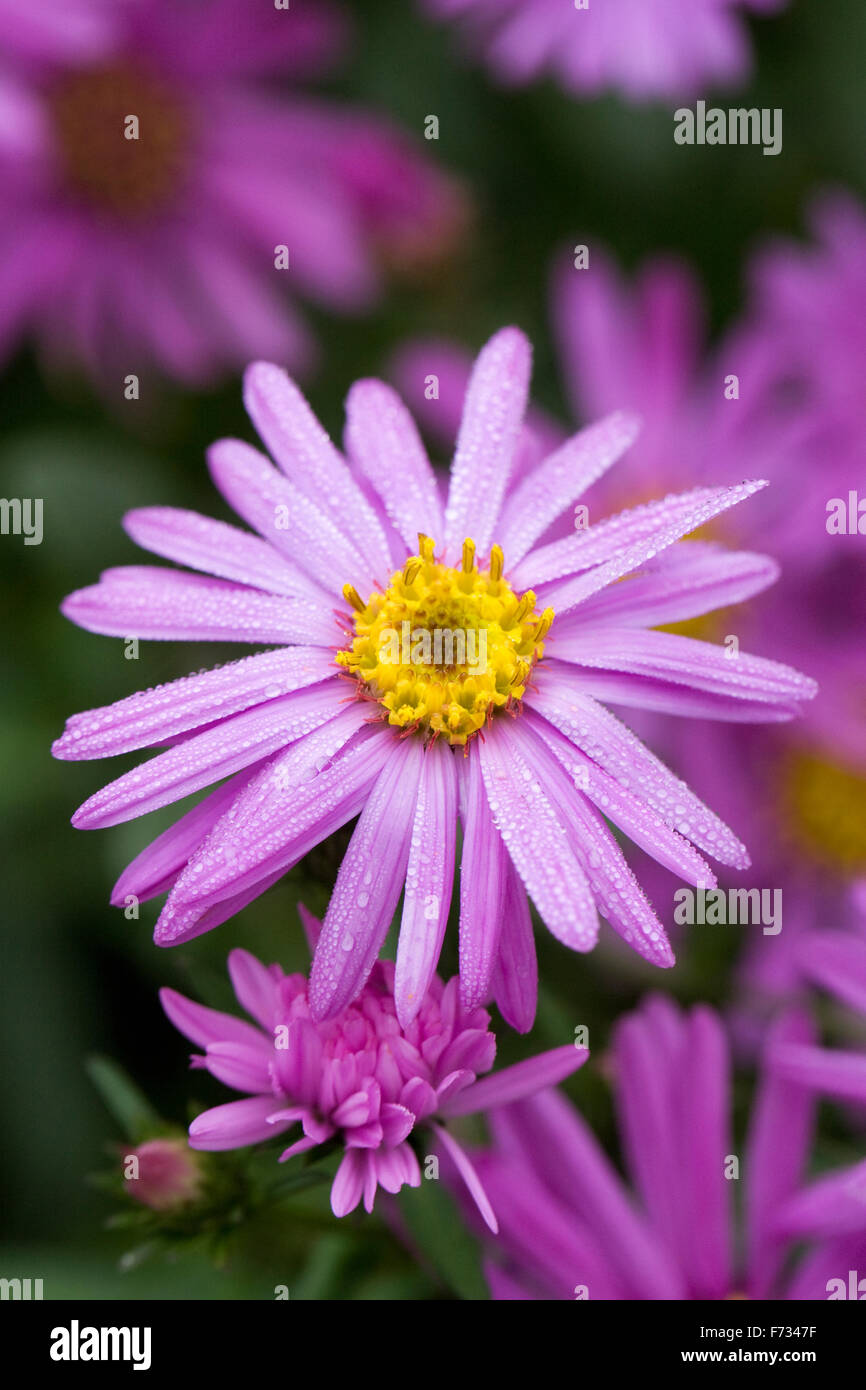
{"x": 644, "y": 49}
{"x": 125, "y": 248}
{"x": 571, "y": 1227}
{"x": 832, "y": 960}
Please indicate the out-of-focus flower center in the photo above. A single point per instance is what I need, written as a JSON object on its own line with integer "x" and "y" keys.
{"x": 708, "y": 627}
{"x": 826, "y": 807}
{"x": 123, "y": 137}
{"x": 443, "y": 648}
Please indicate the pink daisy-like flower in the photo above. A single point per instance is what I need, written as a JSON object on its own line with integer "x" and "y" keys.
{"x": 362, "y": 1079}
{"x": 160, "y": 198}
{"x": 643, "y": 48}
{"x": 570, "y": 1227}
{"x": 348, "y": 717}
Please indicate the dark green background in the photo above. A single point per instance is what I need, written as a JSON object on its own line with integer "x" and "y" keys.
{"x": 77, "y": 978}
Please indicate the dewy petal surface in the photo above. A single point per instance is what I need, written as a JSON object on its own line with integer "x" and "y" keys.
{"x": 352, "y": 561}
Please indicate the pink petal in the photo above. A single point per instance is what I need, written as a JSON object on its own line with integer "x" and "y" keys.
{"x": 560, "y": 479}
{"x": 348, "y": 1185}
{"x": 204, "y": 758}
{"x": 255, "y": 986}
{"x": 265, "y": 499}
{"x": 162, "y": 713}
{"x": 614, "y": 747}
{"x": 203, "y": 1026}
{"x": 514, "y": 1083}
{"x": 515, "y": 979}
{"x": 535, "y": 838}
{"x": 170, "y": 605}
{"x": 235, "y": 1125}
{"x": 216, "y": 548}
{"x": 304, "y": 452}
{"x": 368, "y": 885}
{"x": 381, "y": 436}
{"x": 429, "y": 880}
{"x": 484, "y": 868}
{"x": 470, "y": 1177}
{"x": 489, "y": 432}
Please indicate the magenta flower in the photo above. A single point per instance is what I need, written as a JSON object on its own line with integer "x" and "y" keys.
{"x": 833, "y": 961}
{"x": 644, "y": 49}
{"x": 341, "y": 719}
{"x": 160, "y": 198}
{"x": 570, "y": 1227}
{"x": 361, "y": 1079}
{"x": 814, "y": 295}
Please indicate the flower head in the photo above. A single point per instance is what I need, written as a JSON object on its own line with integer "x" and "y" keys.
{"x": 570, "y": 1226}
{"x": 151, "y": 139}
{"x": 360, "y": 1080}
{"x": 164, "y": 1174}
{"x": 644, "y": 48}
{"x": 328, "y": 726}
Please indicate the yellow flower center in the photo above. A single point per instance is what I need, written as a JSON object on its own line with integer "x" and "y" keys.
{"x": 827, "y": 805}
{"x": 443, "y": 648}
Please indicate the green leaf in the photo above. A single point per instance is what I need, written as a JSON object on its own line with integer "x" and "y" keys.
{"x": 440, "y": 1233}
{"x": 122, "y": 1098}
{"x": 320, "y": 1278}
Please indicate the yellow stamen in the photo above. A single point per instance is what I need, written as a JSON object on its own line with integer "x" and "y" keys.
{"x": 351, "y": 594}
{"x": 524, "y": 607}
{"x": 544, "y": 624}
{"x": 443, "y": 648}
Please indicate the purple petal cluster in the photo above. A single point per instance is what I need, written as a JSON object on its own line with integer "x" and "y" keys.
{"x": 571, "y": 1227}
{"x": 362, "y": 1079}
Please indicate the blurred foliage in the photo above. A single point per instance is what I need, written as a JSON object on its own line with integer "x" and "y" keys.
{"x": 544, "y": 171}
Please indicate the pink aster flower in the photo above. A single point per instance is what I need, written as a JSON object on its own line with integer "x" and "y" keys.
{"x": 643, "y": 48}
{"x": 571, "y": 1227}
{"x": 361, "y": 1079}
{"x": 173, "y": 242}
{"x": 348, "y": 717}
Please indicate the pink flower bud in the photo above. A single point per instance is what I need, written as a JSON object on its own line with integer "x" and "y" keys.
{"x": 162, "y": 1173}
